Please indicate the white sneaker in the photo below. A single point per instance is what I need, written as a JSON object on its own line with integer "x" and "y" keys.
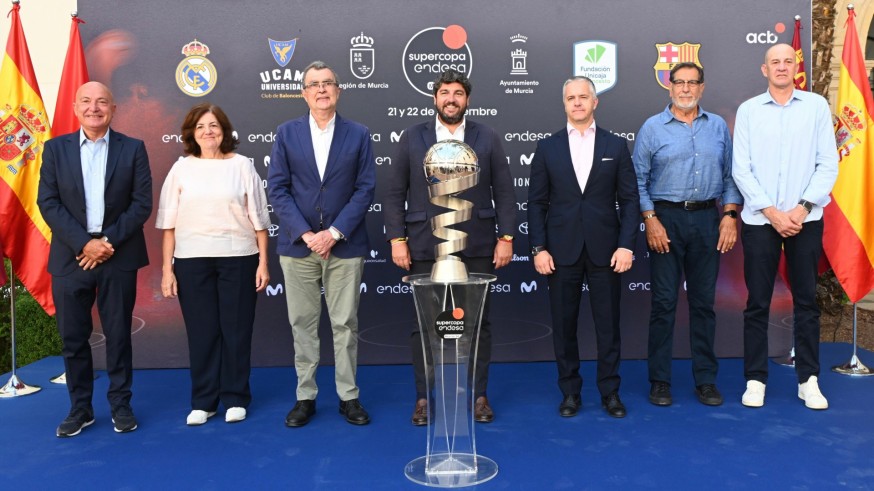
{"x": 754, "y": 395}
{"x": 810, "y": 394}
{"x": 198, "y": 417}
{"x": 235, "y": 414}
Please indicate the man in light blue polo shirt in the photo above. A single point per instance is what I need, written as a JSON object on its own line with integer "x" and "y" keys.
{"x": 785, "y": 164}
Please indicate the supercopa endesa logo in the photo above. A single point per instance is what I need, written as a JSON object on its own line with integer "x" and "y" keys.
{"x": 432, "y": 51}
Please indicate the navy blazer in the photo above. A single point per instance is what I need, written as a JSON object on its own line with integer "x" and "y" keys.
{"x": 564, "y": 219}
{"x": 406, "y": 182}
{"x": 128, "y": 201}
{"x": 304, "y": 202}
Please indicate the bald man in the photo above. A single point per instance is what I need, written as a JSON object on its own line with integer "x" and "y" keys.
{"x": 95, "y": 192}
{"x": 785, "y": 163}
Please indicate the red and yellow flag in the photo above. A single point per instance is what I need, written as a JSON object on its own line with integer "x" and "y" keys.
{"x": 848, "y": 238}
{"x": 801, "y": 74}
{"x": 24, "y": 128}
{"x": 74, "y": 75}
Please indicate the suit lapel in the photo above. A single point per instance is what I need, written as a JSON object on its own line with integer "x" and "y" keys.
{"x": 112, "y": 153}
{"x": 565, "y": 160}
{"x": 597, "y": 155}
{"x": 429, "y": 136}
{"x": 471, "y": 132}
{"x": 337, "y": 143}
{"x": 74, "y": 155}
{"x": 305, "y": 143}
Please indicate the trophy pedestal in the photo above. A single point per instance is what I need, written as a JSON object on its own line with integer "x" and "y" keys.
{"x": 449, "y": 315}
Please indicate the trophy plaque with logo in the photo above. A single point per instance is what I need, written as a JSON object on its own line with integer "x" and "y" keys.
{"x": 449, "y": 305}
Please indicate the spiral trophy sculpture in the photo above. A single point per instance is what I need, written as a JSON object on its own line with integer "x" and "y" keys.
{"x": 450, "y": 168}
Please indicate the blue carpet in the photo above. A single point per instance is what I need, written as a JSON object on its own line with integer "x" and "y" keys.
{"x": 685, "y": 446}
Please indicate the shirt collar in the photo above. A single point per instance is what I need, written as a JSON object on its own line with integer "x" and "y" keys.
{"x": 315, "y": 126}
{"x": 796, "y": 94}
{"x": 83, "y": 138}
{"x": 442, "y": 127}
{"x": 588, "y": 131}
{"x": 667, "y": 115}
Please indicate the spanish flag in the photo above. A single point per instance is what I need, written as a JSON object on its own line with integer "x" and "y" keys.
{"x": 848, "y": 237}
{"x": 24, "y": 128}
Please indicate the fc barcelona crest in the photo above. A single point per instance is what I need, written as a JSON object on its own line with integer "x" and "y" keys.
{"x": 282, "y": 51}
{"x": 670, "y": 54}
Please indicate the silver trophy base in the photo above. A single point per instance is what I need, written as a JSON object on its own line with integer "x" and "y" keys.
{"x": 853, "y": 368}
{"x": 448, "y": 269}
{"x": 15, "y": 388}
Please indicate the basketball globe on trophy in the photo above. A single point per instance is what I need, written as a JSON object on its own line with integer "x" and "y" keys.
{"x": 450, "y": 167}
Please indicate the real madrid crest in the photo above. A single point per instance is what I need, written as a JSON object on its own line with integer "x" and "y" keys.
{"x": 195, "y": 75}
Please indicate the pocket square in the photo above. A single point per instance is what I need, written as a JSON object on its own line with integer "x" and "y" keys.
{"x": 605, "y": 159}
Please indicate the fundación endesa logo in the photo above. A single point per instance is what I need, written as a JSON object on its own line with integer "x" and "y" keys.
{"x": 195, "y": 75}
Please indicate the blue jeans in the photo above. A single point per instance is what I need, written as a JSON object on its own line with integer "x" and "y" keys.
{"x": 694, "y": 236}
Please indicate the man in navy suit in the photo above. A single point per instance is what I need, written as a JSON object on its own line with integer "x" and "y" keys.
{"x": 578, "y": 177}
{"x": 95, "y": 192}
{"x": 321, "y": 183}
{"x": 409, "y": 229}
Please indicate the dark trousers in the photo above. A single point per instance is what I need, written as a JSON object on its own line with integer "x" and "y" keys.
{"x": 483, "y": 346}
{"x": 762, "y": 245}
{"x": 694, "y": 236}
{"x": 74, "y": 294}
{"x": 217, "y": 296}
{"x": 565, "y": 293}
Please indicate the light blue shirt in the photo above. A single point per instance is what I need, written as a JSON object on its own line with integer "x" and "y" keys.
{"x": 784, "y": 154}
{"x": 93, "y": 155}
{"x": 677, "y": 162}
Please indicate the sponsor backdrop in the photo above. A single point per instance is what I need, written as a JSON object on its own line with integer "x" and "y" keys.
{"x": 248, "y": 58}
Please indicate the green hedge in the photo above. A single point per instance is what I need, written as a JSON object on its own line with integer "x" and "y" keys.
{"x": 36, "y": 333}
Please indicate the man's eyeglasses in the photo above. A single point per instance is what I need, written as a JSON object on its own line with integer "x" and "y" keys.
{"x": 320, "y": 85}
{"x": 690, "y": 83}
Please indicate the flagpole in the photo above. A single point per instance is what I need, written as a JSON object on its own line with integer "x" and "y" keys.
{"x": 854, "y": 367}
{"x": 15, "y": 387}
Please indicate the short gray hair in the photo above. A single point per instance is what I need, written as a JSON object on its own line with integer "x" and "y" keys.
{"x": 320, "y": 65}
{"x": 577, "y": 79}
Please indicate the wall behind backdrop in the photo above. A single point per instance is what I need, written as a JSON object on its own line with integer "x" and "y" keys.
{"x": 517, "y": 54}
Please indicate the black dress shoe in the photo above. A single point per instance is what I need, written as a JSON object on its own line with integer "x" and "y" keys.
{"x": 613, "y": 405}
{"x": 660, "y": 394}
{"x": 709, "y": 395}
{"x": 420, "y": 414}
{"x": 74, "y": 422}
{"x": 570, "y": 405}
{"x": 354, "y": 412}
{"x": 301, "y": 413}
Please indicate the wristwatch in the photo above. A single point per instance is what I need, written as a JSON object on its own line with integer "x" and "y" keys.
{"x": 537, "y": 250}
{"x": 730, "y": 213}
{"x": 807, "y": 205}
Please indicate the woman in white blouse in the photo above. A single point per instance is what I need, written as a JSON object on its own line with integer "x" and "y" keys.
{"x": 213, "y": 211}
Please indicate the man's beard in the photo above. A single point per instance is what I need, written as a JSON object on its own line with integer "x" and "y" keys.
{"x": 451, "y": 119}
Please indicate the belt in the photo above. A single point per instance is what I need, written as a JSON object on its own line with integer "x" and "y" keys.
{"x": 688, "y": 205}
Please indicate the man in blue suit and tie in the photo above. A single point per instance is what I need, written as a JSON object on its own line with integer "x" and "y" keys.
{"x": 489, "y": 230}
{"x": 579, "y": 176}
{"x": 321, "y": 183}
{"x": 95, "y": 192}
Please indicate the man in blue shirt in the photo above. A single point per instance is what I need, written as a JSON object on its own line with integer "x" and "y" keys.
{"x": 785, "y": 164}
{"x": 682, "y": 158}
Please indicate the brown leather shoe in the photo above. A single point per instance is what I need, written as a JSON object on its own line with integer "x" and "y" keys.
{"x": 482, "y": 412}
{"x": 420, "y": 414}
